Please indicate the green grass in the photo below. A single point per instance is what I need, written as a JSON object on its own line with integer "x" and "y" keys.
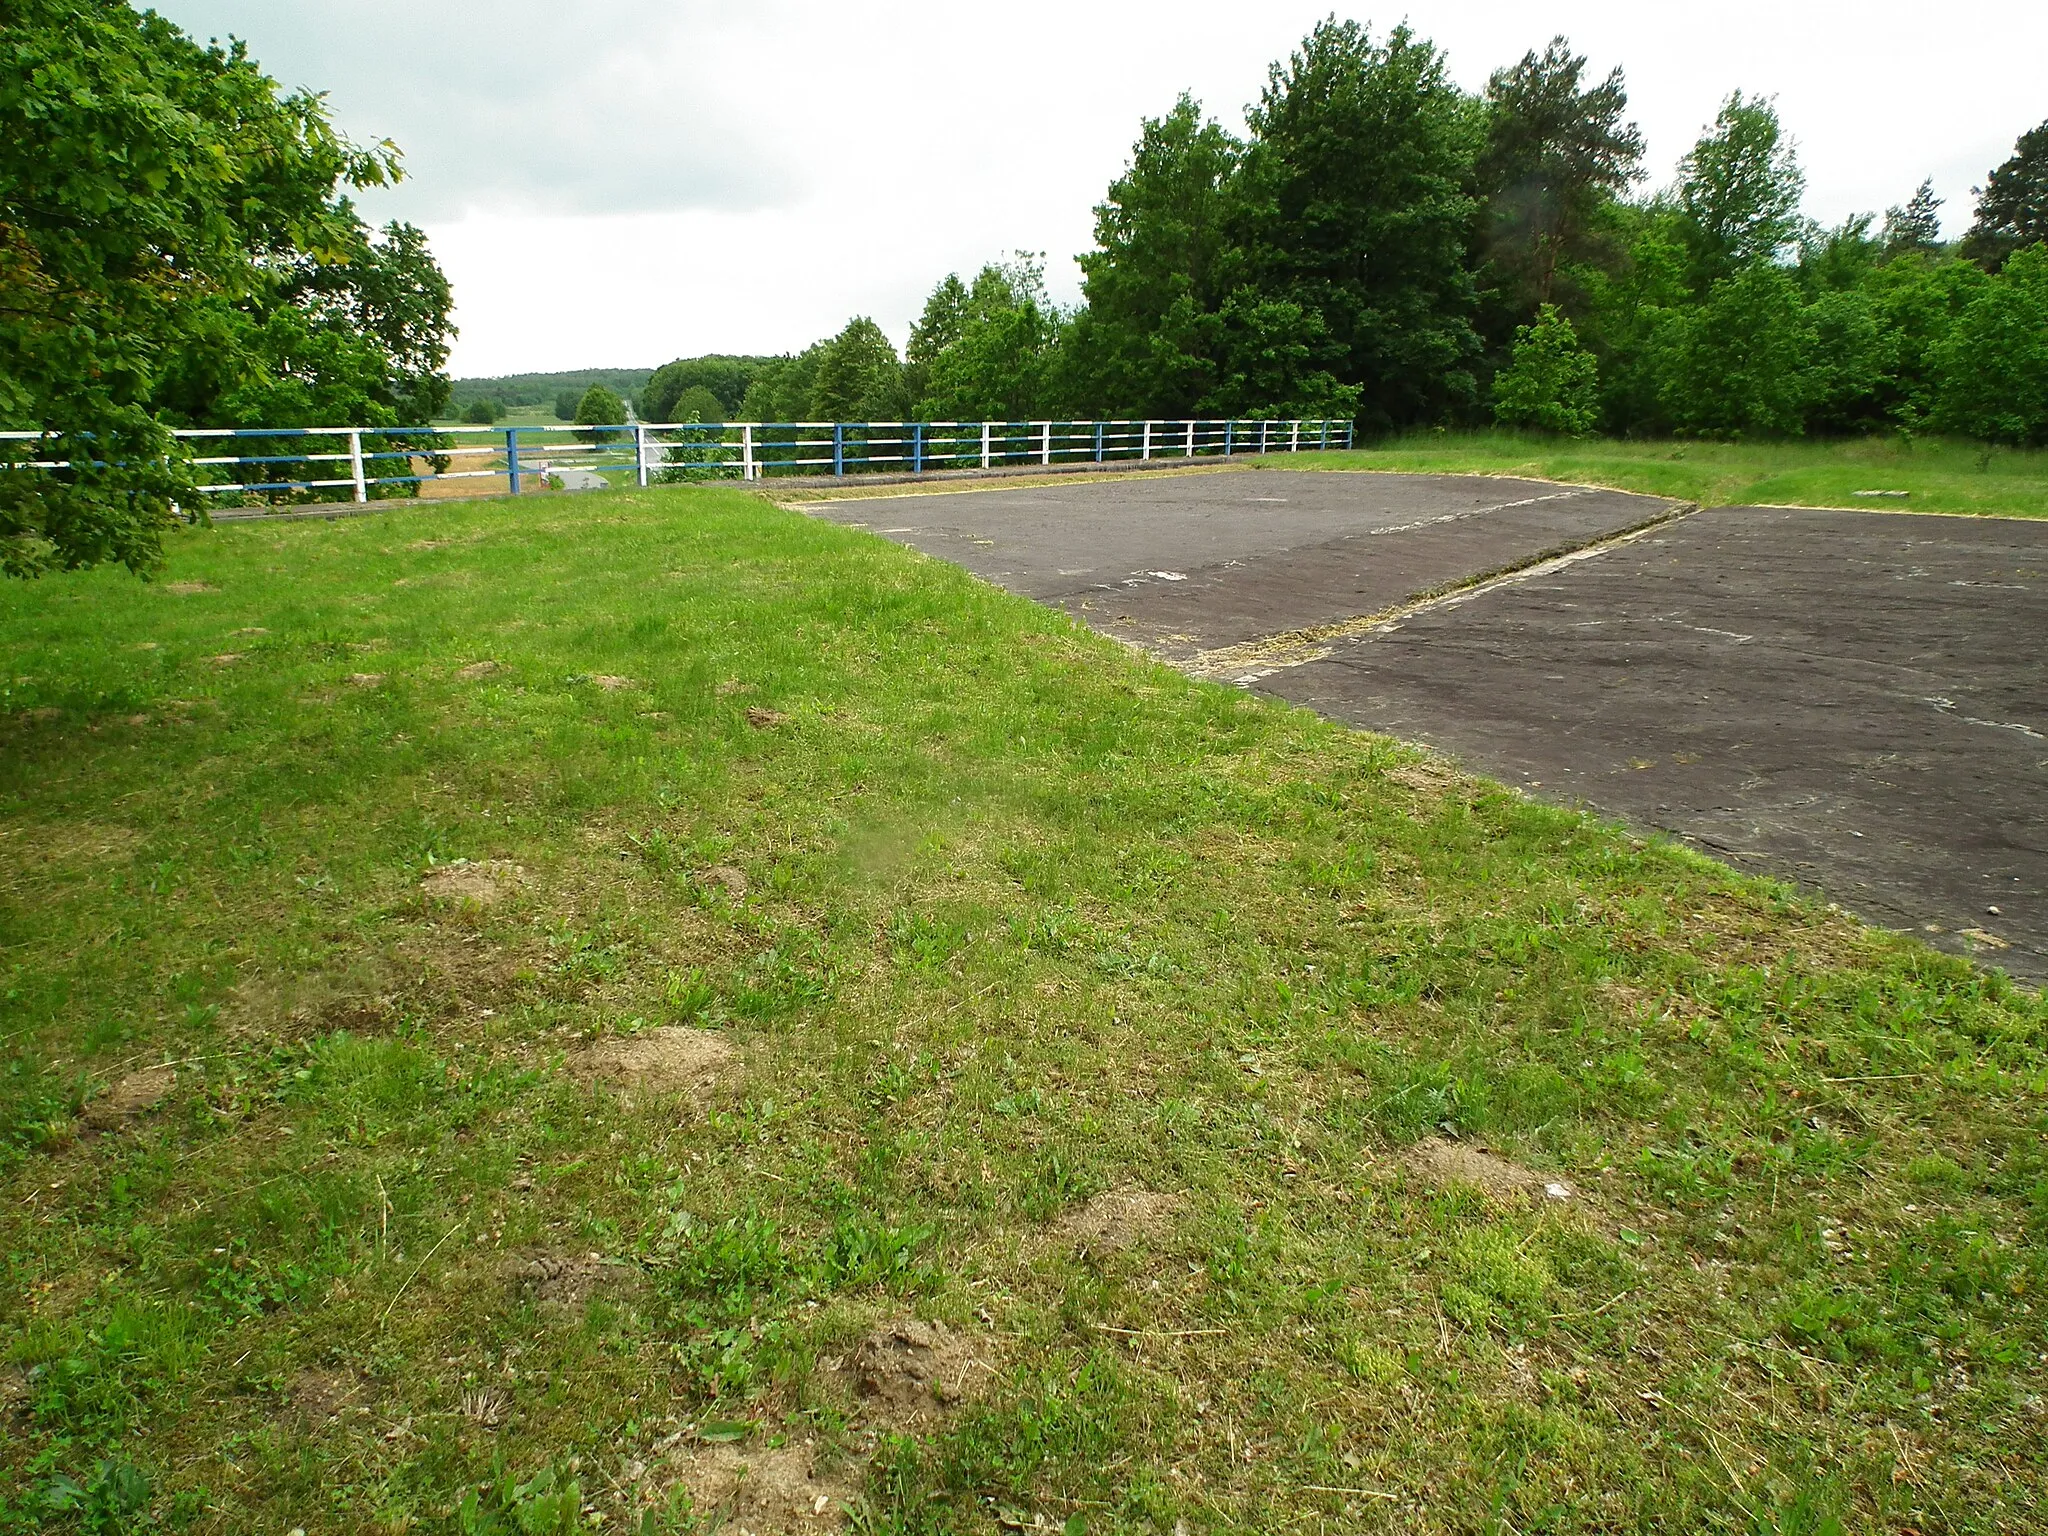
{"x": 1940, "y": 476}
{"x": 1026, "y": 920}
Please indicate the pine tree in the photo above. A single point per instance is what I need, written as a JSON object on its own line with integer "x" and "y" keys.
{"x": 2012, "y": 205}
{"x": 1915, "y": 227}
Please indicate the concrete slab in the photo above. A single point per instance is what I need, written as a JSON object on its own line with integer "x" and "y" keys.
{"x": 1854, "y": 701}
{"x": 1192, "y": 562}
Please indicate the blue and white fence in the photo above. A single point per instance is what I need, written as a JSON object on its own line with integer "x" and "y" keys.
{"x": 363, "y": 464}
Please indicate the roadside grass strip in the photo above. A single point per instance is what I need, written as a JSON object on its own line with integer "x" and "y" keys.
{"x": 642, "y": 1013}
{"x": 1875, "y": 474}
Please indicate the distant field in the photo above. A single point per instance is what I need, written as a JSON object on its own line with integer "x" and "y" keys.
{"x": 1142, "y": 1035}
{"x": 1940, "y": 476}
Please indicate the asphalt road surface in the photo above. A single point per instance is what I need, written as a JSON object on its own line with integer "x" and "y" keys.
{"x": 1856, "y": 702}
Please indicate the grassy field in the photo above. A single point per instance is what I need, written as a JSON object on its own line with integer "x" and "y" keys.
{"x": 514, "y": 1013}
{"x": 1939, "y": 476}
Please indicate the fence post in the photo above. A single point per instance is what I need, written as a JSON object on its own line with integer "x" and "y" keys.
{"x": 355, "y": 464}
{"x": 838, "y": 447}
{"x": 512, "y": 457}
{"x": 1098, "y": 442}
{"x": 1229, "y": 436}
{"x": 1045, "y": 442}
{"x": 640, "y": 454}
{"x": 1294, "y": 441}
{"x": 917, "y": 449}
{"x": 1326, "y": 434}
{"x": 1147, "y": 453}
{"x": 1263, "y": 424}
{"x": 747, "y": 451}
{"x": 1350, "y": 432}
{"x": 984, "y": 445}
{"x": 1191, "y": 439}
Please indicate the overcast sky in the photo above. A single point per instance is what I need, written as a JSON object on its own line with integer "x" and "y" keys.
{"x": 618, "y": 182}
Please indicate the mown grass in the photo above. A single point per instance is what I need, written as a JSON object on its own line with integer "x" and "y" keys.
{"x": 1940, "y": 476}
{"x": 1026, "y": 920}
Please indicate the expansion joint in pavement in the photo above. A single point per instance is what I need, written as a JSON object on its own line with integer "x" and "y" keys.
{"x": 1250, "y": 660}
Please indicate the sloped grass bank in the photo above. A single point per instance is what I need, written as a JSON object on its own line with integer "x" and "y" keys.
{"x": 1115, "y": 1023}
{"x": 1939, "y": 476}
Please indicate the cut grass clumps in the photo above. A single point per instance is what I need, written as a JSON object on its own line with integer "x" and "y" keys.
{"x": 488, "y": 1100}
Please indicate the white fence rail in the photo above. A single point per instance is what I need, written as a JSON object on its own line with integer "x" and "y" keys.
{"x": 372, "y": 463}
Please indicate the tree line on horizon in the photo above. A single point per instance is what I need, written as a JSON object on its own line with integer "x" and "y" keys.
{"x": 1387, "y": 247}
{"x": 179, "y": 247}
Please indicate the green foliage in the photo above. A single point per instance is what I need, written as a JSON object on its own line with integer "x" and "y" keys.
{"x": 568, "y": 400}
{"x": 698, "y": 404}
{"x": 1993, "y": 366}
{"x": 176, "y": 248}
{"x": 725, "y": 379}
{"x": 1916, "y": 228}
{"x": 1553, "y": 383}
{"x": 1739, "y": 189}
{"x": 599, "y": 408}
{"x": 482, "y": 412}
{"x": 989, "y": 352}
{"x": 859, "y": 376}
{"x": 1737, "y": 364}
{"x": 2012, "y": 208}
{"x": 1555, "y": 152}
{"x": 1355, "y": 206}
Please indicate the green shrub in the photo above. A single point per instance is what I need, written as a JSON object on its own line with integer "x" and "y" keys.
{"x": 481, "y": 413}
{"x": 1553, "y": 384}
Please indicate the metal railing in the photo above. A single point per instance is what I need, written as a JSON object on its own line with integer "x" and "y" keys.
{"x": 374, "y": 463}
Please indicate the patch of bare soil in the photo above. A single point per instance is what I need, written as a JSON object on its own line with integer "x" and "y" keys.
{"x": 1426, "y": 776}
{"x": 227, "y": 658}
{"x": 1117, "y": 1219}
{"x": 1440, "y": 1160}
{"x": 731, "y": 686}
{"x": 188, "y": 588}
{"x": 611, "y": 684}
{"x": 780, "y": 1492}
{"x": 483, "y": 881}
{"x": 477, "y": 669}
{"x": 764, "y": 719}
{"x": 668, "y": 1060}
{"x": 568, "y": 1282}
{"x": 908, "y": 1371}
{"x": 323, "y": 1396}
{"x": 732, "y": 881}
{"x": 366, "y": 679}
{"x": 136, "y": 1094}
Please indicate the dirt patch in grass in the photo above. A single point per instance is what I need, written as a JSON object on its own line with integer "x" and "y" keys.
{"x": 611, "y": 684}
{"x": 365, "y": 679}
{"x": 1441, "y": 1161}
{"x": 673, "y": 1059}
{"x": 728, "y": 879}
{"x": 321, "y": 1396}
{"x": 780, "y": 1491}
{"x": 134, "y": 1095}
{"x": 187, "y": 588}
{"x": 907, "y": 1372}
{"x": 483, "y": 882}
{"x": 477, "y": 669}
{"x": 765, "y": 719}
{"x": 569, "y": 1282}
{"x": 1119, "y": 1218}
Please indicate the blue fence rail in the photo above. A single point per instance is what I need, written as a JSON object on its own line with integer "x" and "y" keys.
{"x": 362, "y": 464}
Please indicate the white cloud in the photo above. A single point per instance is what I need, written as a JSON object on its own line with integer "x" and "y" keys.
{"x": 623, "y": 181}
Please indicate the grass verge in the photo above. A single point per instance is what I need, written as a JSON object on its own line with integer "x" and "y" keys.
{"x": 514, "y": 1014}
{"x": 1938, "y": 476}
